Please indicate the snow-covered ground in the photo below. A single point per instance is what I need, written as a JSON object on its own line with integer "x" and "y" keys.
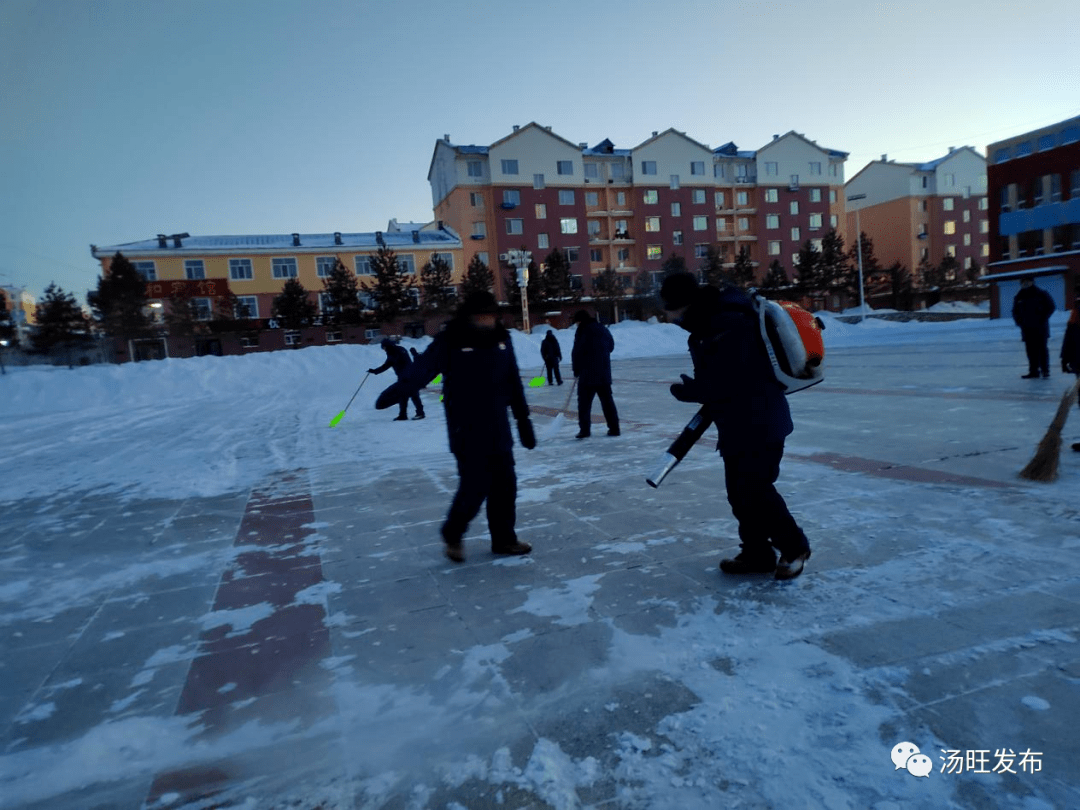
{"x": 762, "y": 697}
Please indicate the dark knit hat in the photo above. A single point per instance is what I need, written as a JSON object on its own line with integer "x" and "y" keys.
{"x": 582, "y": 316}
{"x": 678, "y": 290}
{"x": 478, "y": 303}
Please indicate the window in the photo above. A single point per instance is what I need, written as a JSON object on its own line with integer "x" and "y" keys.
{"x": 511, "y": 196}
{"x": 648, "y": 167}
{"x": 967, "y": 238}
{"x": 541, "y": 211}
{"x": 618, "y": 171}
{"x": 284, "y": 268}
{"x": 950, "y": 226}
{"x": 815, "y": 222}
{"x": 575, "y": 282}
{"x": 718, "y": 199}
{"x": 653, "y": 252}
{"x": 772, "y": 195}
{"x": 566, "y": 196}
{"x": 967, "y": 262}
{"x": 1005, "y": 199}
{"x": 483, "y": 256}
{"x": 538, "y": 181}
{"x": 697, "y": 167}
{"x": 564, "y": 166}
{"x": 832, "y": 195}
{"x": 925, "y": 181}
{"x": 448, "y": 259}
{"x": 246, "y": 306}
{"x": 742, "y": 198}
{"x": 950, "y": 180}
{"x": 701, "y": 250}
{"x": 514, "y": 226}
{"x": 744, "y": 223}
{"x": 149, "y": 271}
{"x": 203, "y": 309}
{"x": 594, "y": 227}
{"x": 793, "y": 207}
{"x": 1074, "y": 185}
{"x": 1038, "y": 196}
{"x": 721, "y": 224}
{"x": 796, "y": 235}
{"x": 1055, "y": 188}
{"x": 676, "y": 238}
{"x": 624, "y": 254}
{"x": 592, "y": 171}
{"x": 740, "y": 170}
{"x": 718, "y": 170}
{"x": 794, "y": 181}
{"x": 966, "y": 215}
{"x": 701, "y": 223}
{"x": 772, "y": 168}
{"x": 984, "y": 226}
{"x": 621, "y": 231}
{"x": 509, "y": 167}
{"x": 194, "y": 269}
{"x": 324, "y": 265}
{"x": 476, "y": 199}
{"x": 983, "y": 204}
{"x": 650, "y": 196}
{"x": 475, "y": 168}
{"x": 363, "y": 266}
{"x": 568, "y": 225}
{"x": 542, "y": 241}
{"x": 620, "y": 199}
{"x": 774, "y": 248}
{"x": 815, "y": 195}
{"x": 479, "y": 229}
{"x": 596, "y": 255}
{"x": 592, "y": 199}
{"x": 815, "y": 167}
{"x": 950, "y": 250}
{"x": 405, "y": 263}
{"x": 947, "y": 203}
{"x": 698, "y": 196}
{"x": 572, "y": 255}
{"x": 674, "y": 181}
{"x": 833, "y": 220}
{"x": 816, "y": 245}
{"x": 772, "y": 221}
{"x": 652, "y": 224}
{"x": 985, "y": 249}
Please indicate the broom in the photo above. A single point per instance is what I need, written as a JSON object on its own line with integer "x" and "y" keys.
{"x": 1044, "y": 465}
{"x": 560, "y": 417}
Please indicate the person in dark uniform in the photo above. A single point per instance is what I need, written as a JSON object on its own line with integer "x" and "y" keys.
{"x": 733, "y": 378}
{"x": 480, "y": 382}
{"x": 398, "y": 359}
{"x": 591, "y": 362}
{"x": 1032, "y": 308}
{"x": 552, "y": 354}
{"x": 1070, "y": 349}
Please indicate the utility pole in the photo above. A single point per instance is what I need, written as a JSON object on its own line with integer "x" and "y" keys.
{"x": 520, "y": 259}
{"x": 858, "y": 245}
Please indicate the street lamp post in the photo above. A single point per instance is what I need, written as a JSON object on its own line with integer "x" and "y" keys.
{"x": 520, "y": 259}
{"x": 858, "y": 246}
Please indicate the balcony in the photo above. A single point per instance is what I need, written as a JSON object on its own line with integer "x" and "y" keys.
{"x": 508, "y": 206}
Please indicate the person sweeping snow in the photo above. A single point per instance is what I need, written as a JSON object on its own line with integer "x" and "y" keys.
{"x": 480, "y": 383}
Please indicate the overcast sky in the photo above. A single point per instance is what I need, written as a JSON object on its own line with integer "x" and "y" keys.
{"x": 128, "y": 118}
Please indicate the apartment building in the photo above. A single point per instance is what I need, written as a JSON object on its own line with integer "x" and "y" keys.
{"x": 1034, "y": 194}
{"x": 631, "y": 209}
{"x": 209, "y": 269}
{"x": 917, "y": 212}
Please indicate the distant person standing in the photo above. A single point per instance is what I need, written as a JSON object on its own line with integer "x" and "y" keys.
{"x": 1070, "y": 348}
{"x": 552, "y": 354}
{"x": 591, "y": 360}
{"x": 1032, "y": 308}
{"x": 398, "y": 359}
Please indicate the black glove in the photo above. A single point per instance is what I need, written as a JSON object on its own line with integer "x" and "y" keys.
{"x": 686, "y": 391}
{"x": 394, "y": 395}
{"x": 372, "y": 371}
{"x": 525, "y": 432}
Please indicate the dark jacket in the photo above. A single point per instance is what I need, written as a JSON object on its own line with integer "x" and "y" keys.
{"x": 1070, "y": 345}
{"x": 396, "y": 358}
{"x": 550, "y": 349}
{"x": 1032, "y": 308}
{"x": 480, "y": 381}
{"x": 732, "y": 372}
{"x": 591, "y": 355}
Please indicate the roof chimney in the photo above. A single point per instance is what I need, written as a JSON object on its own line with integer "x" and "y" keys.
{"x": 884, "y": 158}
{"x": 952, "y": 149}
{"x": 337, "y": 237}
{"x": 516, "y": 127}
{"x": 441, "y": 228}
{"x": 296, "y": 240}
{"x": 416, "y": 237}
{"x": 162, "y": 241}
{"x": 775, "y": 137}
{"x": 584, "y": 145}
{"x": 655, "y": 133}
{"x": 176, "y": 239}
{"x": 446, "y": 137}
{"x": 379, "y": 239}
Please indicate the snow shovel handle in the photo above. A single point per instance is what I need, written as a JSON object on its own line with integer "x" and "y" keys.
{"x": 357, "y": 391}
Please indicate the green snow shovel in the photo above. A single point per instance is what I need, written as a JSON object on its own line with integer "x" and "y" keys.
{"x": 340, "y": 416}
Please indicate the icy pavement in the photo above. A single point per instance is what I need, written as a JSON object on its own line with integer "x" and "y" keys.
{"x": 303, "y": 643}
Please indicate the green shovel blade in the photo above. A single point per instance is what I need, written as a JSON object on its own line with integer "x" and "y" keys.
{"x": 336, "y": 419}
{"x": 536, "y": 382}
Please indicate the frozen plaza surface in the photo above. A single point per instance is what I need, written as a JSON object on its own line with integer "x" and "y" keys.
{"x": 209, "y": 598}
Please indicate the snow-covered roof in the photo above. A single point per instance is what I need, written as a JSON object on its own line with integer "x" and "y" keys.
{"x": 277, "y": 243}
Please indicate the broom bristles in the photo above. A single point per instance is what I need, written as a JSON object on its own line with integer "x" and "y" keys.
{"x": 1044, "y": 464}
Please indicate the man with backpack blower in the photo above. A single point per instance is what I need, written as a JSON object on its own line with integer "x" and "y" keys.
{"x": 733, "y": 378}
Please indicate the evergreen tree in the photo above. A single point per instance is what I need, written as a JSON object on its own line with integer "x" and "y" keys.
{"x": 875, "y": 277}
{"x": 60, "y": 321}
{"x": 391, "y": 289}
{"x": 556, "y": 282}
{"x": 900, "y": 286}
{"x": 118, "y": 304}
{"x": 293, "y": 308}
{"x": 808, "y": 275}
{"x": 478, "y": 278}
{"x": 607, "y": 288}
{"x": 742, "y": 274}
{"x": 926, "y": 275}
{"x": 712, "y": 268}
{"x": 183, "y": 316}
{"x": 973, "y": 273}
{"x": 342, "y": 295}
{"x": 8, "y": 331}
{"x": 775, "y": 280}
{"x": 835, "y": 271}
{"x": 947, "y": 271}
{"x": 437, "y": 285}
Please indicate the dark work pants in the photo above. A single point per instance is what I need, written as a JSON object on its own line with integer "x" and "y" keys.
{"x": 584, "y": 405}
{"x": 764, "y": 519}
{"x": 484, "y": 476}
{"x": 553, "y": 368}
{"x": 1038, "y": 355}
{"x": 416, "y": 404}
